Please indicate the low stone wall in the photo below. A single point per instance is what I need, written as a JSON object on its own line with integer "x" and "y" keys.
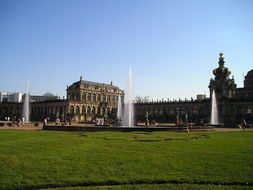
{"x": 122, "y": 129}
{"x": 11, "y": 124}
{"x": 5, "y": 123}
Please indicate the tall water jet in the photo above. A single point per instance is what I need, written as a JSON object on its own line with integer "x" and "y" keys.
{"x": 26, "y": 106}
{"x": 119, "y": 110}
{"x": 128, "y": 119}
{"x": 214, "y": 111}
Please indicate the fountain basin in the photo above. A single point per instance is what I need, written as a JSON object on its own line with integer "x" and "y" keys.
{"x": 123, "y": 128}
{"x": 216, "y": 125}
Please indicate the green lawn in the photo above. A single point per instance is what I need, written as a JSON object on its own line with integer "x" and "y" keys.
{"x": 118, "y": 160}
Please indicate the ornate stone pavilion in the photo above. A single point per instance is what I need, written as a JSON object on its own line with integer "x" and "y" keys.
{"x": 85, "y": 102}
{"x": 88, "y": 100}
{"x": 234, "y": 104}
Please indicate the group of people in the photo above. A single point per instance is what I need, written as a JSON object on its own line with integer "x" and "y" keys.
{"x": 16, "y": 121}
{"x": 102, "y": 121}
{"x": 58, "y": 121}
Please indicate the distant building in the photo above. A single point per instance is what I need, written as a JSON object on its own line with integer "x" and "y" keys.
{"x": 19, "y": 97}
{"x": 201, "y": 96}
{"x": 39, "y": 98}
{"x": 10, "y": 97}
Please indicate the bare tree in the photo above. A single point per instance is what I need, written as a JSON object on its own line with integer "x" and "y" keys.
{"x": 140, "y": 99}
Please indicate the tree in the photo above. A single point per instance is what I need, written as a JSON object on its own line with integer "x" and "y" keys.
{"x": 140, "y": 99}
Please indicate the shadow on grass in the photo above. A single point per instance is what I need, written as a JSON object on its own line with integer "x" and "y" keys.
{"x": 142, "y": 137}
{"x": 137, "y": 182}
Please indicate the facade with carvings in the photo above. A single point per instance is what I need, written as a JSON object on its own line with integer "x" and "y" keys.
{"x": 234, "y": 104}
{"x": 90, "y": 100}
{"x": 85, "y": 102}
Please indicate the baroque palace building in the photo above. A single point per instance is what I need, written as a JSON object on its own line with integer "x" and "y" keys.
{"x": 86, "y": 101}
{"x": 90, "y": 100}
{"x": 234, "y": 104}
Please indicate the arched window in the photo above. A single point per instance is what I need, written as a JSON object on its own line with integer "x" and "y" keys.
{"x": 72, "y": 109}
{"x": 93, "y": 110}
{"x": 99, "y": 111}
{"x": 77, "y": 110}
{"x": 88, "y": 111}
{"x": 83, "y": 110}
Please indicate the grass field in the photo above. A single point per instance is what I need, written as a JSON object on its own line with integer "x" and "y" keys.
{"x": 117, "y": 160}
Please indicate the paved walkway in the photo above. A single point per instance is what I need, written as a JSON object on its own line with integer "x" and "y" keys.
{"x": 23, "y": 127}
{"x": 233, "y": 129}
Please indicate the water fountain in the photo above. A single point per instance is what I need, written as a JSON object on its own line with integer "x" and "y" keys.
{"x": 128, "y": 116}
{"x": 26, "y": 106}
{"x": 119, "y": 110}
{"x": 214, "y": 111}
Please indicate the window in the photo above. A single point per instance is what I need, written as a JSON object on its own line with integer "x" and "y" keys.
{"x": 77, "y": 110}
{"x": 93, "y": 110}
{"x": 83, "y": 109}
{"x": 84, "y": 96}
{"x": 89, "y": 96}
{"x": 94, "y": 97}
{"x": 71, "y": 110}
{"x": 88, "y": 111}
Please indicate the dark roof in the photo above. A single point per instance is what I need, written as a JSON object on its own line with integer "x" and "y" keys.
{"x": 94, "y": 83}
{"x": 249, "y": 74}
{"x": 248, "y": 81}
{"x": 50, "y": 101}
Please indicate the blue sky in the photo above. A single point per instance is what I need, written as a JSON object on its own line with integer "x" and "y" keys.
{"x": 171, "y": 45}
